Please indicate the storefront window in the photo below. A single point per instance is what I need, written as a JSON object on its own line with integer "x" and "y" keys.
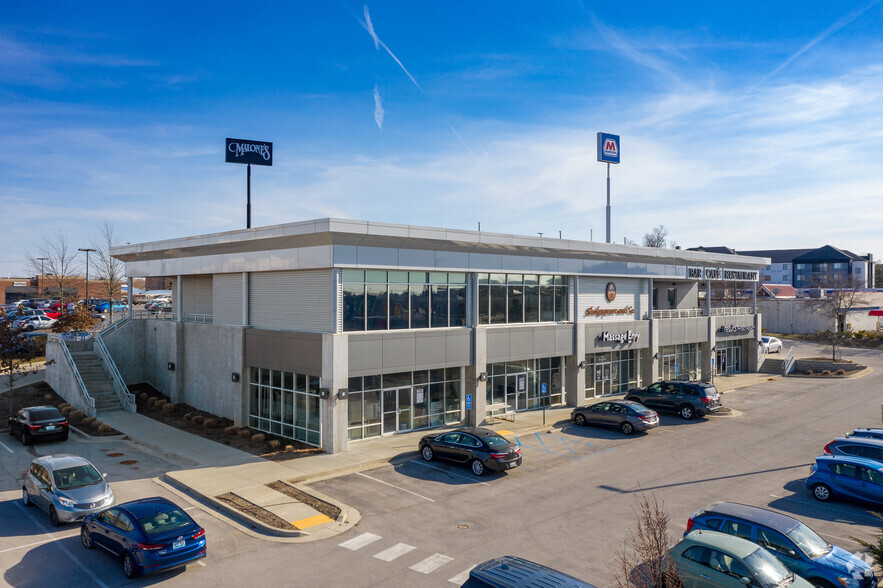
{"x": 521, "y": 298}
{"x": 526, "y": 384}
{"x": 280, "y": 403}
{"x": 612, "y": 373}
{"x": 679, "y": 362}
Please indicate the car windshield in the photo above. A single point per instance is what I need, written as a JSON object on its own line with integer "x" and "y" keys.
{"x": 769, "y": 570}
{"x": 496, "y": 441}
{"x": 809, "y": 542}
{"x": 45, "y": 414}
{"x": 76, "y": 477}
{"x": 167, "y": 520}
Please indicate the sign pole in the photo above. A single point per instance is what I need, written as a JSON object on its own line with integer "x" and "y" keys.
{"x": 248, "y": 201}
{"x": 608, "y": 152}
{"x": 248, "y": 152}
{"x": 608, "y": 202}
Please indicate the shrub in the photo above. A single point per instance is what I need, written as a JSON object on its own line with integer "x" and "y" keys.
{"x": 188, "y": 416}
{"x": 231, "y": 430}
{"x": 826, "y": 372}
{"x": 875, "y": 550}
{"x": 168, "y": 408}
{"x": 244, "y": 433}
{"x": 210, "y": 423}
{"x": 841, "y": 372}
{"x": 151, "y": 401}
{"x": 89, "y": 420}
{"x": 258, "y": 438}
{"x": 161, "y": 402}
{"x": 289, "y": 448}
{"x": 96, "y": 424}
{"x": 143, "y": 396}
{"x": 275, "y": 444}
{"x": 198, "y": 419}
{"x": 105, "y": 428}
{"x": 808, "y": 372}
{"x": 67, "y": 410}
{"x": 63, "y": 405}
{"x": 47, "y": 398}
{"x": 76, "y": 415}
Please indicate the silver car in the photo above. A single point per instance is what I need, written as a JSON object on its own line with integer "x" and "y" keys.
{"x": 67, "y": 487}
{"x": 629, "y": 416}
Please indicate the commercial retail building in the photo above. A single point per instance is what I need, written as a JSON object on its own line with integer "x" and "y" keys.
{"x": 331, "y": 331}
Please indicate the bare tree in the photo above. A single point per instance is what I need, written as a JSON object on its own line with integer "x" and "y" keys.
{"x": 656, "y": 237}
{"x": 16, "y": 355}
{"x": 642, "y": 562}
{"x": 79, "y": 319}
{"x": 109, "y": 269}
{"x": 841, "y": 294}
{"x": 58, "y": 259}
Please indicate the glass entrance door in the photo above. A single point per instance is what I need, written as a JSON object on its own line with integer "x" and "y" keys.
{"x": 396, "y": 410}
{"x": 669, "y": 367}
{"x": 602, "y": 378}
{"x": 516, "y": 391}
{"x": 720, "y": 360}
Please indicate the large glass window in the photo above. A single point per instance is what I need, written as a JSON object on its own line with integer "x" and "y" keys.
{"x": 285, "y": 404}
{"x": 612, "y": 373}
{"x": 521, "y": 298}
{"x": 377, "y": 300}
{"x": 526, "y": 384}
{"x": 679, "y": 362}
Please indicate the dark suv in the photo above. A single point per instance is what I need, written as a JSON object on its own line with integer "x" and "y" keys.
{"x": 868, "y": 447}
{"x": 686, "y": 398}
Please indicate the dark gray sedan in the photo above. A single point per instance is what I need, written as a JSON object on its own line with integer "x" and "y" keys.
{"x": 627, "y": 415}
{"x": 479, "y": 448}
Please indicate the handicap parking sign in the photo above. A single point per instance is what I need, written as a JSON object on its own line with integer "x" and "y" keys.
{"x": 469, "y": 402}
{"x": 544, "y": 388}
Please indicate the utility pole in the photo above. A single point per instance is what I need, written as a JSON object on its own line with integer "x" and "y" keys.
{"x": 87, "y": 277}
{"x": 40, "y": 290}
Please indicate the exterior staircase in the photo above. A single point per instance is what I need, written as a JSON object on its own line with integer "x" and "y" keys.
{"x": 772, "y": 366}
{"x": 97, "y": 381}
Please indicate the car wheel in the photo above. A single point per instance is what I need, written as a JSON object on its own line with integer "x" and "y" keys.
{"x": 25, "y": 438}
{"x": 25, "y": 497}
{"x": 627, "y": 428}
{"x": 687, "y": 412}
{"x": 477, "y": 467}
{"x": 821, "y": 492}
{"x": 53, "y": 517}
{"x": 580, "y": 419}
{"x": 86, "y": 538}
{"x": 427, "y": 453}
{"x": 130, "y": 568}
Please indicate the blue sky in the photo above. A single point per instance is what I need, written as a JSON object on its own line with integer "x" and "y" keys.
{"x": 749, "y": 124}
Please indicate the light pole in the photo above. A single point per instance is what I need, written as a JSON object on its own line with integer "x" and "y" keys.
{"x": 87, "y": 274}
{"x": 41, "y": 260}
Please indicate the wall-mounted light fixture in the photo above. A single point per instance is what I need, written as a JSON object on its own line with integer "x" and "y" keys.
{"x": 712, "y": 347}
{"x": 582, "y": 365}
{"x": 171, "y": 366}
{"x": 655, "y": 356}
{"x": 343, "y": 393}
{"x": 324, "y": 392}
{"x": 234, "y": 376}
{"x": 482, "y": 377}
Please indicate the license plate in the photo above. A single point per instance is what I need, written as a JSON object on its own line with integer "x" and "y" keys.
{"x": 50, "y": 427}
{"x": 178, "y": 544}
{"x": 511, "y": 465}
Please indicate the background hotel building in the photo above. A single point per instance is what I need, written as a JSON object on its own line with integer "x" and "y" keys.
{"x": 331, "y": 331}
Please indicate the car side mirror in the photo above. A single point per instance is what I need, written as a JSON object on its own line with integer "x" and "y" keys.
{"x": 792, "y": 553}
{"x": 103, "y": 475}
{"x": 744, "y": 580}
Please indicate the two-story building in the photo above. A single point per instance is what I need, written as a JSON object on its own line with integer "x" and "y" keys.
{"x": 331, "y": 331}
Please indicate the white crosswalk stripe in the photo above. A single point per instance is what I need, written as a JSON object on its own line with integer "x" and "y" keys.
{"x": 394, "y": 552}
{"x": 460, "y": 578}
{"x": 431, "y": 563}
{"x": 360, "y": 541}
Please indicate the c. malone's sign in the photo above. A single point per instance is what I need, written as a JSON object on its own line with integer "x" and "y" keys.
{"x": 598, "y": 311}
{"x": 717, "y": 274}
{"x": 627, "y": 337}
{"x": 251, "y": 152}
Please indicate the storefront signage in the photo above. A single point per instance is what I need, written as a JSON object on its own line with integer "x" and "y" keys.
{"x": 611, "y": 292}
{"x": 735, "y": 329}
{"x": 598, "y": 311}
{"x": 608, "y": 148}
{"x": 19, "y": 284}
{"x": 716, "y": 273}
{"x": 627, "y": 337}
{"x": 251, "y": 152}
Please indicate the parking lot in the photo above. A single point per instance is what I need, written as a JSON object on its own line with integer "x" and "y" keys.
{"x": 427, "y": 523}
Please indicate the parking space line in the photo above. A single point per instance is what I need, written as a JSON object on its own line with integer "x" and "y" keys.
{"x": 360, "y": 541}
{"x": 394, "y": 486}
{"x": 67, "y": 551}
{"x": 567, "y": 445}
{"x": 461, "y": 577}
{"x": 39, "y": 542}
{"x": 5, "y": 447}
{"x": 449, "y": 473}
{"x": 200, "y": 562}
{"x": 541, "y": 442}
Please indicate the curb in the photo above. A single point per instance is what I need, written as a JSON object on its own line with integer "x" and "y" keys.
{"x": 347, "y": 518}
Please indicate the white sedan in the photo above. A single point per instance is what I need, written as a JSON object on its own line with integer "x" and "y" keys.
{"x": 33, "y": 322}
{"x": 771, "y": 344}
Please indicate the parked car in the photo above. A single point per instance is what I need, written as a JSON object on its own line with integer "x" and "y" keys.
{"x": 844, "y": 476}
{"x": 867, "y": 432}
{"x": 514, "y": 572}
{"x": 628, "y": 415}
{"x": 771, "y": 344}
{"x": 798, "y": 547}
{"x": 67, "y": 487}
{"x": 868, "y": 447}
{"x": 38, "y": 422}
{"x": 709, "y": 558}
{"x": 33, "y": 323}
{"x": 106, "y": 306}
{"x": 147, "y": 536}
{"x": 480, "y": 448}
{"x": 686, "y": 398}
{"x": 33, "y": 341}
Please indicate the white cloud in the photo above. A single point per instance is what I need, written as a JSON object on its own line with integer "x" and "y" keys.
{"x": 378, "y": 108}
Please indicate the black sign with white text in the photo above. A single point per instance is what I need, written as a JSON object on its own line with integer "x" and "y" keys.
{"x": 253, "y": 152}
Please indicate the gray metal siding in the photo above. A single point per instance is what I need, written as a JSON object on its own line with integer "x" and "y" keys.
{"x": 682, "y": 330}
{"x": 292, "y": 300}
{"x": 227, "y": 299}
{"x": 389, "y": 352}
{"x": 197, "y": 291}
{"x": 511, "y": 343}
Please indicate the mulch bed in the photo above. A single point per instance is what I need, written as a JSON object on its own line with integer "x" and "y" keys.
{"x": 329, "y": 510}
{"x": 154, "y": 404}
{"x": 255, "y": 511}
{"x": 41, "y": 394}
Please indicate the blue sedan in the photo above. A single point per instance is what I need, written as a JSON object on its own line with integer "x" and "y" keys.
{"x": 147, "y": 536}
{"x": 105, "y": 306}
{"x": 845, "y": 476}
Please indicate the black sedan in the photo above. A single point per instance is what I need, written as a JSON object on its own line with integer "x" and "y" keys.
{"x": 480, "y": 448}
{"x": 38, "y": 422}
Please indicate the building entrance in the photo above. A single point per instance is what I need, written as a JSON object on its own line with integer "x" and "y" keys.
{"x": 516, "y": 391}
{"x": 603, "y": 378}
{"x": 396, "y": 410}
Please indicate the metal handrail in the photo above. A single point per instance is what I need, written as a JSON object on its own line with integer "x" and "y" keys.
{"x": 731, "y": 311}
{"x": 116, "y": 325}
{"x": 149, "y": 314}
{"x": 789, "y": 363}
{"x": 59, "y": 340}
{"x": 199, "y": 318}
{"x": 679, "y": 313}
{"x": 127, "y": 399}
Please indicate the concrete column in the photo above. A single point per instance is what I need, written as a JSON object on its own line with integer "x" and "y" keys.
{"x": 129, "y": 282}
{"x": 707, "y": 350}
{"x": 754, "y": 354}
{"x": 240, "y": 406}
{"x": 179, "y": 300}
{"x": 476, "y": 415}
{"x": 245, "y": 318}
{"x": 335, "y": 374}
{"x": 649, "y": 358}
{"x": 575, "y": 376}
{"x": 708, "y": 297}
{"x": 177, "y": 393}
{"x": 754, "y": 298}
